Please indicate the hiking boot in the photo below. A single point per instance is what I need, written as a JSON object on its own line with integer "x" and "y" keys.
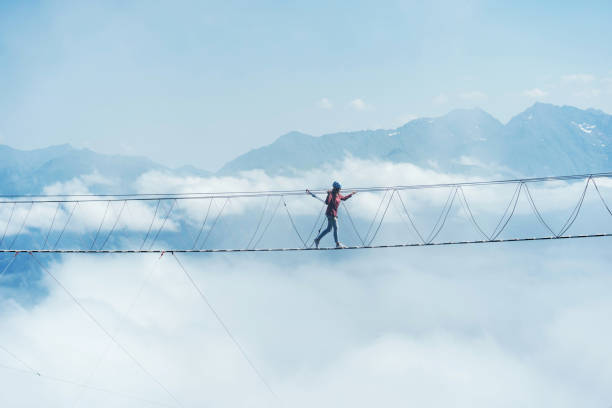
{"x": 340, "y": 245}
{"x": 316, "y": 242}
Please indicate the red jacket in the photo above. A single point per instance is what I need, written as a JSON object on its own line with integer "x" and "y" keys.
{"x": 333, "y": 202}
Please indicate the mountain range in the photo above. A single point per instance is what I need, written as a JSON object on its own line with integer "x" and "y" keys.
{"x": 543, "y": 140}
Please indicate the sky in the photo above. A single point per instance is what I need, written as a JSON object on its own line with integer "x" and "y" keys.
{"x": 191, "y": 82}
{"x": 521, "y": 324}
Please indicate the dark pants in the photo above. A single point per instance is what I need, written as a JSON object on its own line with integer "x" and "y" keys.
{"x": 332, "y": 222}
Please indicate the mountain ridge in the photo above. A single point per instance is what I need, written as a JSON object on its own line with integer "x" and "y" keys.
{"x": 560, "y": 139}
{"x": 543, "y": 140}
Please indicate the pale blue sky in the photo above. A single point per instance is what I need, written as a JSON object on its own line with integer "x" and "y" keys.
{"x": 198, "y": 83}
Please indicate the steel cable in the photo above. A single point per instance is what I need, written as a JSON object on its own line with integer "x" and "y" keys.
{"x": 382, "y": 218}
{"x": 163, "y": 224}
{"x": 25, "y": 219}
{"x": 293, "y": 223}
{"x": 225, "y": 327}
{"x": 469, "y": 211}
{"x": 443, "y": 216}
{"x": 44, "y": 245}
{"x": 65, "y": 225}
{"x": 214, "y": 223}
{"x": 410, "y": 218}
{"x": 151, "y": 224}
{"x": 114, "y": 225}
{"x": 535, "y": 210}
{"x": 574, "y": 214}
{"x": 261, "y": 217}
{"x": 8, "y": 223}
{"x": 601, "y": 197}
{"x": 105, "y": 331}
{"x": 348, "y": 213}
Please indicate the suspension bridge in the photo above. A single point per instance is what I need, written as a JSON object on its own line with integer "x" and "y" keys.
{"x": 63, "y": 218}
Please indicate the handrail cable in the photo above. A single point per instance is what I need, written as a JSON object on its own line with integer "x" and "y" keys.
{"x": 200, "y": 195}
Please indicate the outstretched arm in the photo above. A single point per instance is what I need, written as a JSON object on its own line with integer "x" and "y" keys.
{"x": 346, "y": 197}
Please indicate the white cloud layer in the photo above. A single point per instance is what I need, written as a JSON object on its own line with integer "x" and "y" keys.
{"x": 440, "y": 99}
{"x": 474, "y": 96}
{"x": 358, "y": 104}
{"x": 578, "y": 78}
{"x": 325, "y": 103}
{"x": 506, "y": 326}
{"x": 535, "y": 93}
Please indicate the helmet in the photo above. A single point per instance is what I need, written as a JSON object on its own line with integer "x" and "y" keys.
{"x": 336, "y": 185}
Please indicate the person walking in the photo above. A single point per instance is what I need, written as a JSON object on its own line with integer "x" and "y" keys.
{"x": 333, "y": 202}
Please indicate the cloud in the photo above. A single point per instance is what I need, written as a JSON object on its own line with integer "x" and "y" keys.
{"x": 440, "y": 99}
{"x": 324, "y": 103}
{"x": 508, "y": 324}
{"x": 578, "y": 78}
{"x": 405, "y": 118}
{"x": 588, "y": 93}
{"x": 535, "y": 93}
{"x": 358, "y": 104}
{"x": 473, "y": 96}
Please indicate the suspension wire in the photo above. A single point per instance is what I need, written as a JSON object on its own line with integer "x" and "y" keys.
{"x": 382, "y": 218}
{"x": 466, "y": 205}
{"x": 84, "y": 386}
{"x": 535, "y": 210}
{"x": 51, "y": 226}
{"x": 195, "y": 242}
{"x": 348, "y": 213}
{"x": 235, "y": 194}
{"x": 105, "y": 331}
{"x": 8, "y": 223}
{"x": 126, "y": 314}
{"x": 8, "y": 265}
{"x": 114, "y": 225}
{"x": 410, "y": 218}
{"x": 163, "y": 224}
{"x": 268, "y": 224}
{"x": 225, "y": 327}
{"x": 22, "y": 362}
{"x": 214, "y": 224}
{"x": 314, "y": 226}
{"x": 375, "y": 216}
{"x": 261, "y": 217}
{"x": 515, "y": 198}
{"x": 601, "y": 197}
{"x": 443, "y": 215}
{"x": 150, "y": 225}
{"x": 292, "y": 223}
{"x": 574, "y": 214}
{"x": 65, "y": 225}
{"x": 25, "y": 219}
{"x": 100, "y": 227}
